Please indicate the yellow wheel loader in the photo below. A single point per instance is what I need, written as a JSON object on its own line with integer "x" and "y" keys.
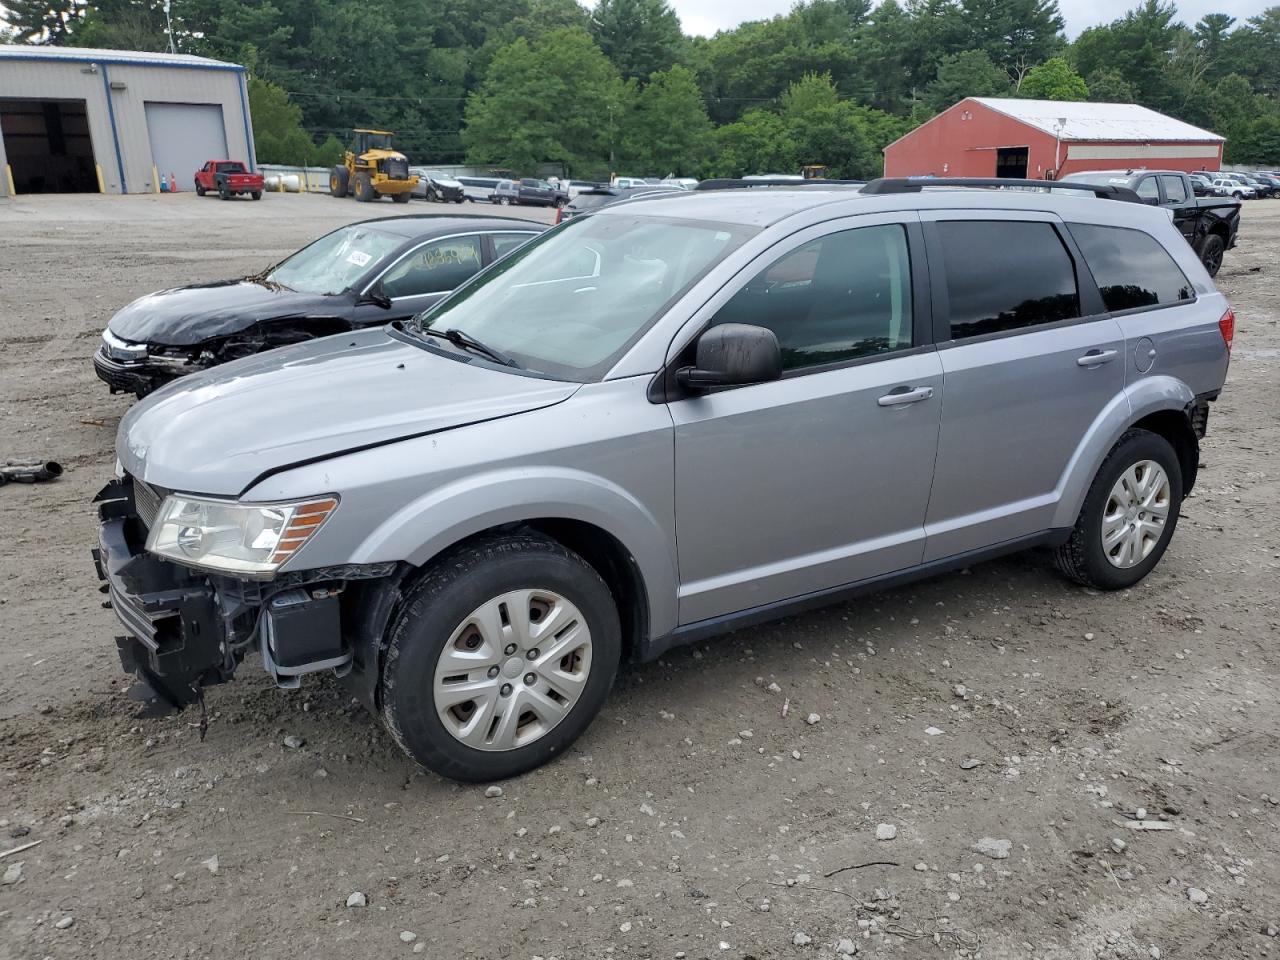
{"x": 373, "y": 169}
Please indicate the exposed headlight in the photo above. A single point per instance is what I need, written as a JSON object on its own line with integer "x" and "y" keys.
{"x": 231, "y": 537}
{"x": 119, "y": 349}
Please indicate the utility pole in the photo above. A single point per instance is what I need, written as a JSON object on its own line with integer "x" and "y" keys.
{"x": 168, "y": 26}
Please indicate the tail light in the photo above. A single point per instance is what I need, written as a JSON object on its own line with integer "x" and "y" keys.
{"x": 559, "y": 212}
{"x": 1227, "y": 324}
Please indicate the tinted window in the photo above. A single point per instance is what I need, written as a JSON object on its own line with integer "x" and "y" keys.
{"x": 1004, "y": 275}
{"x": 1174, "y": 189}
{"x": 504, "y": 243}
{"x": 842, "y": 296}
{"x": 433, "y": 268}
{"x": 1130, "y": 267}
{"x": 585, "y": 201}
{"x": 1147, "y": 189}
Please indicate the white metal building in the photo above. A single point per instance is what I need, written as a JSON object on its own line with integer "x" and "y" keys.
{"x": 115, "y": 121}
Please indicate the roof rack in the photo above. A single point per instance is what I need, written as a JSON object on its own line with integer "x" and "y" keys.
{"x": 916, "y": 184}
{"x": 737, "y": 183}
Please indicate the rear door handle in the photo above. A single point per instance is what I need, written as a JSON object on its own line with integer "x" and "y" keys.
{"x": 904, "y": 395}
{"x": 1096, "y": 358}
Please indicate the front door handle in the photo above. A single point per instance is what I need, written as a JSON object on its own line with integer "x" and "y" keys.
{"x": 904, "y": 395}
{"x": 1096, "y": 358}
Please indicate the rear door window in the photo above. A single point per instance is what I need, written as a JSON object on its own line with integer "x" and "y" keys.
{"x": 1174, "y": 189}
{"x": 1148, "y": 190}
{"x": 434, "y": 268}
{"x": 1131, "y": 268}
{"x": 1004, "y": 275}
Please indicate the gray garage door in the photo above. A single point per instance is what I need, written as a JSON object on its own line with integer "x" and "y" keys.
{"x": 185, "y": 135}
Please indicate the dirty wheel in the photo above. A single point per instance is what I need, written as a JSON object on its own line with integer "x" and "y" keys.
{"x": 1211, "y": 250}
{"x": 1129, "y": 515}
{"x": 338, "y": 181}
{"x": 499, "y": 657}
{"x": 364, "y": 188}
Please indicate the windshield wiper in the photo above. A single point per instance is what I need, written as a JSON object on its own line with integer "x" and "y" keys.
{"x": 468, "y": 342}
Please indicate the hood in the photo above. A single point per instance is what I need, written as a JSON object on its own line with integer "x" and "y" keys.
{"x": 185, "y": 316}
{"x": 447, "y": 182}
{"x": 218, "y": 431}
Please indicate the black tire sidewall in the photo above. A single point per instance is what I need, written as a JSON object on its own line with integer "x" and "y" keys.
{"x": 1212, "y": 241}
{"x": 1139, "y": 445}
{"x": 458, "y": 586}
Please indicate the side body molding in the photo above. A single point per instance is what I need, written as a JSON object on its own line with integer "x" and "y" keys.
{"x": 447, "y": 514}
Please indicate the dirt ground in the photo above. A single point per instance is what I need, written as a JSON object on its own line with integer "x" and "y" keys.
{"x": 698, "y": 817}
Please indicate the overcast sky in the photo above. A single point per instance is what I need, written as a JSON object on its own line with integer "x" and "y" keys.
{"x": 707, "y": 16}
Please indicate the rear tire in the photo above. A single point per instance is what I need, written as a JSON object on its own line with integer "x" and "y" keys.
{"x": 256, "y": 194}
{"x": 1211, "y": 250}
{"x": 1095, "y": 559}
{"x": 431, "y": 623}
{"x": 223, "y": 192}
{"x": 401, "y": 197}
{"x": 364, "y": 188}
{"x": 338, "y": 181}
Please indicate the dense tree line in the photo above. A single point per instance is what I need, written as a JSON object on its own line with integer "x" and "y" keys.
{"x": 514, "y": 83}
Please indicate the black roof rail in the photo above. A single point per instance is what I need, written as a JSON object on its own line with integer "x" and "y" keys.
{"x": 1104, "y": 191}
{"x": 739, "y": 183}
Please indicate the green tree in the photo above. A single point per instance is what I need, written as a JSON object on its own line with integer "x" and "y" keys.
{"x": 825, "y": 129}
{"x": 1053, "y": 80}
{"x": 278, "y": 136}
{"x": 1015, "y": 34}
{"x": 556, "y": 99}
{"x": 1211, "y": 34}
{"x": 124, "y": 25}
{"x": 640, "y": 36}
{"x": 668, "y": 130}
{"x": 1108, "y": 86}
{"x": 42, "y": 21}
{"x": 758, "y": 143}
{"x": 1136, "y": 47}
{"x": 968, "y": 74}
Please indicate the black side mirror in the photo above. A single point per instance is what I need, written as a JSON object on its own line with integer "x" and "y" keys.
{"x": 377, "y": 297}
{"x": 733, "y": 354}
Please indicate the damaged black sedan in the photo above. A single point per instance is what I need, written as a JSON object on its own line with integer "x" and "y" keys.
{"x": 361, "y": 275}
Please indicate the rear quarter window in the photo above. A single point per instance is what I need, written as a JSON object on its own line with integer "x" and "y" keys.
{"x": 1131, "y": 268}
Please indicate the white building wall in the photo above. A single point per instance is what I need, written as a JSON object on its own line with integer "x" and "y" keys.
{"x": 117, "y": 116}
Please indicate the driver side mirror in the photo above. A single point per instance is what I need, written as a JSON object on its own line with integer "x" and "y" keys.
{"x": 733, "y": 354}
{"x": 377, "y": 296}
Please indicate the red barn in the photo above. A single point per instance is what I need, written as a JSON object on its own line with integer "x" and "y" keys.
{"x": 1045, "y": 139}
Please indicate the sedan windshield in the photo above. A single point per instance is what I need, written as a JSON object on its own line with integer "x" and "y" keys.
{"x": 571, "y": 302}
{"x": 335, "y": 261}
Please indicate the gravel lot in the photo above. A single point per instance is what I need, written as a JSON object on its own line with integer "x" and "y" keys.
{"x": 699, "y": 817}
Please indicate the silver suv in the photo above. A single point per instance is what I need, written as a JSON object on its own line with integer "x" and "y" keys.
{"x": 664, "y": 420}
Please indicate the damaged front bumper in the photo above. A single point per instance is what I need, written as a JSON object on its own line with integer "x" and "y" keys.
{"x": 138, "y": 376}
{"x": 187, "y": 629}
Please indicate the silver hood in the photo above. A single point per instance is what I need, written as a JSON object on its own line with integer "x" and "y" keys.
{"x": 219, "y": 431}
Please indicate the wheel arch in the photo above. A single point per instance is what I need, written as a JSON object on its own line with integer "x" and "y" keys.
{"x": 1161, "y": 404}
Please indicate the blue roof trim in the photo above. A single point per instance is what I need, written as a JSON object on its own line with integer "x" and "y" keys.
{"x": 125, "y": 62}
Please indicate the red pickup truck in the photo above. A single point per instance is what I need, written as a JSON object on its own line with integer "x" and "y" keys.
{"x": 228, "y": 178}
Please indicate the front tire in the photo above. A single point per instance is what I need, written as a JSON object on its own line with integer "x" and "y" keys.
{"x": 1128, "y": 517}
{"x": 199, "y": 189}
{"x": 401, "y": 197}
{"x": 364, "y": 188}
{"x": 499, "y": 657}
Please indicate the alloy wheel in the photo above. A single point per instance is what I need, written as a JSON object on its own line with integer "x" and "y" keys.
{"x": 1137, "y": 510}
{"x": 512, "y": 670}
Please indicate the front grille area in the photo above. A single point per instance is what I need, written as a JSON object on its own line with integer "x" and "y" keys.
{"x": 395, "y": 169}
{"x": 147, "y": 500}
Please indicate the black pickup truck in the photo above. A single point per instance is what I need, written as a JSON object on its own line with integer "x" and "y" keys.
{"x": 1208, "y": 223}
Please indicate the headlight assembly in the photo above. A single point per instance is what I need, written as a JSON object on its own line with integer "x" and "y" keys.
{"x": 231, "y": 537}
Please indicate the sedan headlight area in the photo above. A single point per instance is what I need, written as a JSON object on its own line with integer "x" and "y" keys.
{"x": 232, "y": 537}
{"x": 119, "y": 349}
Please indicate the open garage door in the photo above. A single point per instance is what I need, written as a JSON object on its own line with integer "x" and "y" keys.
{"x": 47, "y": 145}
{"x": 185, "y": 135}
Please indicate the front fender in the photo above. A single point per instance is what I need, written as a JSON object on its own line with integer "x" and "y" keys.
{"x": 444, "y": 516}
{"x": 1141, "y": 399}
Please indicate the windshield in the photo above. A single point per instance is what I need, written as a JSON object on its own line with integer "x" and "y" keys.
{"x": 335, "y": 261}
{"x": 571, "y": 302}
{"x": 437, "y": 175}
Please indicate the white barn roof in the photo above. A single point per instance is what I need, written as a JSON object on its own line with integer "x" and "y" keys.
{"x": 89, "y": 55}
{"x": 1097, "y": 121}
